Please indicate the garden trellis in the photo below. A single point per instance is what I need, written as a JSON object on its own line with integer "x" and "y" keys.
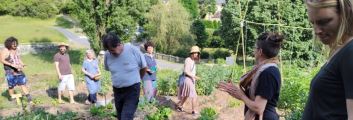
{"x": 244, "y": 24}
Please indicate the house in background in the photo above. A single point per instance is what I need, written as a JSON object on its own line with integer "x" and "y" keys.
{"x": 217, "y": 15}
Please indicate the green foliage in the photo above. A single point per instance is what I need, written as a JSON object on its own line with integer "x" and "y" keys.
{"x": 162, "y": 113}
{"x": 30, "y": 8}
{"x": 97, "y": 17}
{"x": 62, "y": 22}
{"x": 211, "y": 24}
{"x": 216, "y": 53}
{"x": 67, "y": 7}
{"x": 212, "y": 75}
{"x": 191, "y": 6}
{"x": 103, "y": 111}
{"x": 167, "y": 82}
{"x": 215, "y": 42}
{"x": 207, "y": 6}
{"x": 294, "y": 91}
{"x": 146, "y": 105}
{"x": 220, "y": 61}
{"x": 169, "y": 27}
{"x": 41, "y": 114}
{"x": 106, "y": 82}
{"x": 208, "y": 114}
{"x": 299, "y": 43}
{"x": 199, "y": 30}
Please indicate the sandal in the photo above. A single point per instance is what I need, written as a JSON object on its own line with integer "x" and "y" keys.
{"x": 179, "y": 109}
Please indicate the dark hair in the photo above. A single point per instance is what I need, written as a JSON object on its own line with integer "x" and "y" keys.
{"x": 270, "y": 43}
{"x": 8, "y": 42}
{"x": 148, "y": 44}
{"x": 111, "y": 40}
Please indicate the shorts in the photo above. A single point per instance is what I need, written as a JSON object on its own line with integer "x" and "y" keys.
{"x": 67, "y": 81}
{"x": 13, "y": 80}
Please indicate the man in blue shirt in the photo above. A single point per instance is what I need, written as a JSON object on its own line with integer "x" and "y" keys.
{"x": 127, "y": 66}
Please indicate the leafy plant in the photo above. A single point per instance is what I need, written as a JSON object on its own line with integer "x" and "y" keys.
{"x": 208, "y": 114}
{"x": 167, "y": 82}
{"x": 234, "y": 103}
{"x": 103, "y": 111}
{"x": 162, "y": 113}
{"x": 294, "y": 91}
{"x": 212, "y": 75}
{"x": 145, "y": 104}
{"x": 41, "y": 114}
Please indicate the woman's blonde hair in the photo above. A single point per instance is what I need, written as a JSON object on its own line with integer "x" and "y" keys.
{"x": 345, "y": 9}
{"x": 90, "y": 51}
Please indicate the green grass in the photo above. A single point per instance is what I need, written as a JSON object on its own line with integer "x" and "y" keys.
{"x": 29, "y": 30}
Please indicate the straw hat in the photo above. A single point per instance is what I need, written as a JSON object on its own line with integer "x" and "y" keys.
{"x": 63, "y": 44}
{"x": 195, "y": 49}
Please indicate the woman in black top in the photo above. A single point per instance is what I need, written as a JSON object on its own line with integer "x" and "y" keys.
{"x": 331, "y": 90}
{"x": 259, "y": 88}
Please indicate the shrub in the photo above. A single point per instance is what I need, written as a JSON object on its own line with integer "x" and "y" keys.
{"x": 294, "y": 91}
{"x": 182, "y": 53}
{"x": 103, "y": 111}
{"x": 67, "y": 7}
{"x": 220, "y": 61}
{"x": 208, "y": 114}
{"x": 31, "y": 8}
{"x": 162, "y": 113}
{"x": 166, "y": 80}
{"x": 211, "y": 24}
{"x": 41, "y": 114}
{"x": 212, "y": 75}
{"x": 217, "y": 52}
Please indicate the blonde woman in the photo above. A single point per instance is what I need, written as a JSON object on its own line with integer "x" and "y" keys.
{"x": 331, "y": 91}
{"x": 187, "y": 88}
{"x": 91, "y": 70}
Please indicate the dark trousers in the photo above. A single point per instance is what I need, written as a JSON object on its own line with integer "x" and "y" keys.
{"x": 126, "y": 101}
{"x": 92, "y": 98}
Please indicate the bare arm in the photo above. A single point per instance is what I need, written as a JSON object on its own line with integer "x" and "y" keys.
{"x": 258, "y": 106}
{"x": 57, "y": 69}
{"x": 349, "y": 103}
{"x": 4, "y": 54}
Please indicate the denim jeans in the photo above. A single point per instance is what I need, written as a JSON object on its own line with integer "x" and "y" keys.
{"x": 126, "y": 101}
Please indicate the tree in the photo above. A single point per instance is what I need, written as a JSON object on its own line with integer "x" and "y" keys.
{"x": 97, "y": 17}
{"x": 169, "y": 26}
{"x": 299, "y": 42}
{"x": 207, "y": 6}
{"x": 199, "y": 30}
{"x": 192, "y": 7}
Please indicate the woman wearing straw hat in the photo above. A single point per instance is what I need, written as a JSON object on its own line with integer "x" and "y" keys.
{"x": 187, "y": 88}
